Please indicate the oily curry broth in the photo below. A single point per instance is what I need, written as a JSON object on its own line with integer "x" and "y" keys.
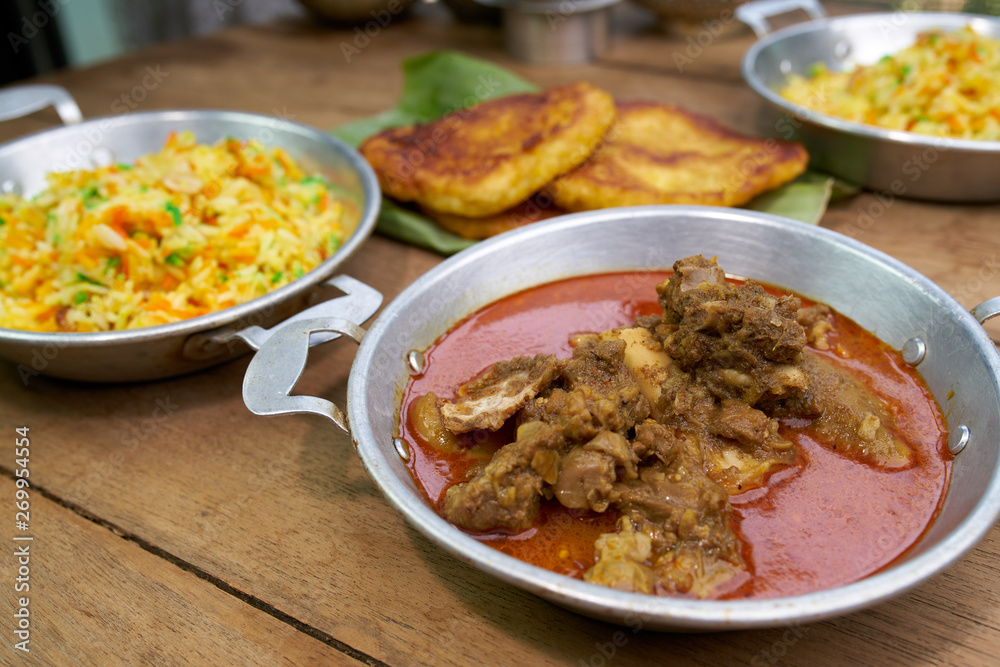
{"x": 825, "y": 521}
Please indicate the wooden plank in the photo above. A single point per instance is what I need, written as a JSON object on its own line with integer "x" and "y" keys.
{"x": 95, "y": 598}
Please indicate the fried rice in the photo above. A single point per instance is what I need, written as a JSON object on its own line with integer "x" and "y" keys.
{"x": 186, "y": 231}
{"x": 945, "y": 84}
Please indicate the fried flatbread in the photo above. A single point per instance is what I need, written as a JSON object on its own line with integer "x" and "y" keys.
{"x": 480, "y": 161}
{"x": 535, "y": 208}
{"x": 662, "y": 154}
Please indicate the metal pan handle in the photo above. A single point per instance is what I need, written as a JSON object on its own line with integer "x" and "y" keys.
{"x": 23, "y": 100}
{"x": 358, "y": 304}
{"x": 284, "y": 349}
{"x": 987, "y": 309}
{"x": 756, "y": 14}
{"x": 278, "y": 365}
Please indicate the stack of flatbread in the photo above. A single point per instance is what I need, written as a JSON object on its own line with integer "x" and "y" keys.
{"x": 517, "y": 159}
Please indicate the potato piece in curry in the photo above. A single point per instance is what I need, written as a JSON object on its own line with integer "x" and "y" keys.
{"x": 660, "y": 423}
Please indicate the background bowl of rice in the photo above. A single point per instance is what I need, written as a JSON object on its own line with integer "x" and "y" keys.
{"x": 896, "y": 162}
{"x": 192, "y": 344}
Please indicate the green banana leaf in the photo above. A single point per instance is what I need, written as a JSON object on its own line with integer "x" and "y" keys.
{"x": 442, "y": 82}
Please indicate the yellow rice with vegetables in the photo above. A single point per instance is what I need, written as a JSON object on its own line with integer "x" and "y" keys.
{"x": 946, "y": 84}
{"x": 187, "y": 231}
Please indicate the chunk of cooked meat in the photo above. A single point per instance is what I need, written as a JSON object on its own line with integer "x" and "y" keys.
{"x": 664, "y": 493}
{"x": 851, "y": 418}
{"x": 662, "y": 154}
{"x": 619, "y": 450}
{"x": 490, "y": 400}
{"x": 507, "y": 492}
{"x": 600, "y": 366}
{"x": 485, "y": 159}
{"x": 754, "y": 429}
{"x": 586, "y": 474}
{"x": 586, "y": 479}
{"x": 596, "y": 392}
{"x": 685, "y": 515}
{"x": 761, "y": 448}
{"x": 737, "y": 340}
{"x": 653, "y": 439}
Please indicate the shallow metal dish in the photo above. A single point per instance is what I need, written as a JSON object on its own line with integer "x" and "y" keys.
{"x": 189, "y": 345}
{"x": 961, "y": 366}
{"x": 905, "y": 164}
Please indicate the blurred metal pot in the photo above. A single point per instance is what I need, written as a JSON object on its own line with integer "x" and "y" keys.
{"x": 358, "y": 11}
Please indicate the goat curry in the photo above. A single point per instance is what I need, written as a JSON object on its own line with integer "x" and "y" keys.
{"x": 721, "y": 441}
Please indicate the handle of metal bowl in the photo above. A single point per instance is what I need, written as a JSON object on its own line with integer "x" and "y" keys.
{"x": 283, "y": 349}
{"x": 756, "y": 14}
{"x": 22, "y": 100}
{"x": 987, "y": 309}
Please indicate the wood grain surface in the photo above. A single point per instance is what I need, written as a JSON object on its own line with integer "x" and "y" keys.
{"x": 173, "y": 527}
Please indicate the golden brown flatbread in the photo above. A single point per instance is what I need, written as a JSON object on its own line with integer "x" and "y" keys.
{"x": 535, "y": 208}
{"x": 483, "y": 160}
{"x": 662, "y": 154}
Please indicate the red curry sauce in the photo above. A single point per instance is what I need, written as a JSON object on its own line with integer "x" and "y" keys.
{"x": 823, "y": 522}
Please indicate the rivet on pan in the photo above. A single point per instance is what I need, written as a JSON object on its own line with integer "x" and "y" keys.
{"x": 10, "y": 187}
{"x": 102, "y": 156}
{"x": 914, "y": 351}
{"x": 841, "y": 50}
{"x": 958, "y": 439}
{"x": 401, "y": 449}
{"x": 785, "y": 66}
{"x": 415, "y": 359}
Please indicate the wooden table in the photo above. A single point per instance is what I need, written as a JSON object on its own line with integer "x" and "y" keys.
{"x": 171, "y": 526}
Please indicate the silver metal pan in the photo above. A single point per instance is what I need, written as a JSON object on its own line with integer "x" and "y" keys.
{"x": 906, "y": 310}
{"x": 190, "y": 345}
{"x": 902, "y": 163}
